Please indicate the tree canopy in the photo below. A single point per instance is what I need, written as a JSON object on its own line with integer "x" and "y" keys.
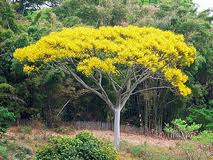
{"x": 109, "y": 49}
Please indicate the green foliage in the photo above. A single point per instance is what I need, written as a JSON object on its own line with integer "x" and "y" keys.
{"x": 138, "y": 151}
{"x": 25, "y": 6}
{"x": 7, "y": 16}
{"x": 202, "y": 116}
{"x": 149, "y": 2}
{"x": 3, "y": 152}
{"x": 205, "y": 137}
{"x": 6, "y": 88}
{"x": 6, "y": 118}
{"x": 83, "y": 147}
{"x": 181, "y": 128}
{"x": 211, "y": 102}
{"x": 71, "y": 12}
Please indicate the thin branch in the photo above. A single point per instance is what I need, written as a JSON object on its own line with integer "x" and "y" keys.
{"x": 63, "y": 107}
{"x": 103, "y": 96}
{"x": 12, "y": 97}
{"x": 113, "y": 84}
{"x": 100, "y": 77}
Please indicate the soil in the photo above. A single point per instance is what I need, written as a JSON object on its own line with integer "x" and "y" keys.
{"x": 132, "y": 139}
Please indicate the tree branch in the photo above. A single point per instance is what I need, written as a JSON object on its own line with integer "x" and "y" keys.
{"x": 103, "y": 96}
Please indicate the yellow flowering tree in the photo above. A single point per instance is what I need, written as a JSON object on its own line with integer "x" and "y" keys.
{"x": 126, "y": 56}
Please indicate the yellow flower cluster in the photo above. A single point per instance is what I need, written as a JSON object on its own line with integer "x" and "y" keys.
{"x": 88, "y": 65}
{"x": 28, "y": 69}
{"x": 177, "y": 79}
{"x": 107, "y": 48}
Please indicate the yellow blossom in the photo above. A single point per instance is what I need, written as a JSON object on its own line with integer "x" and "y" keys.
{"x": 108, "y": 48}
{"x": 28, "y": 69}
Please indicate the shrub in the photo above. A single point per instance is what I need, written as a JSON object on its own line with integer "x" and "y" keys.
{"x": 5, "y": 118}
{"x": 202, "y": 116}
{"x": 180, "y": 128}
{"x": 83, "y": 147}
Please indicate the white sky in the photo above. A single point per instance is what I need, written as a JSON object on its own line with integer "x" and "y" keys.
{"x": 204, "y": 4}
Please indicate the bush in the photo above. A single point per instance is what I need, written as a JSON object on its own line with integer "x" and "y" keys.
{"x": 202, "y": 116}
{"x": 5, "y": 118}
{"x": 83, "y": 147}
{"x": 180, "y": 128}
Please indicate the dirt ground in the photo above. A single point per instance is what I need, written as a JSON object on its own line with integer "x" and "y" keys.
{"x": 33, "y": 137}
{"x": 38, "y": 136}
{"x": 136, "y": 139}
{"x": 132, "y": 139}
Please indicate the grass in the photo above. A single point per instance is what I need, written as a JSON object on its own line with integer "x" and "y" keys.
{"x": 149, "y": 152}
{"x": 12, "y": 150}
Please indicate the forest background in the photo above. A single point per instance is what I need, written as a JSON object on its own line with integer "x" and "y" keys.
{"x": 41, "y": 96}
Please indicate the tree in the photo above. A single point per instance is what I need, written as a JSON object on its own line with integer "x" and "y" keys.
{"x": 123, "y": 57}
{"x": 24, "y": 6}
{"x": 72, "y": 12}
{"x": 7, "y": 16}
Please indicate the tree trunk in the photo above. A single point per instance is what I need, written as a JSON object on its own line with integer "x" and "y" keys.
{"x": 117, "y": 112}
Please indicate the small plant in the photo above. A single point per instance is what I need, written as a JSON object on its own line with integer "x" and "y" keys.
{"x": 202, "y": 116}
{"x": 83, "y": 147}
{"x": 6, "y": 117}
{"x": 180, "y": 128}
{"x": 138, "y": 151}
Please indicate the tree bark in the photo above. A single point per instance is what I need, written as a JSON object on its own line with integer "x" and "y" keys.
{"x": 117, "y": 137}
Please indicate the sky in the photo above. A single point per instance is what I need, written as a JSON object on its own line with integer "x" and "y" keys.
{"x": 204, "y": 4}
